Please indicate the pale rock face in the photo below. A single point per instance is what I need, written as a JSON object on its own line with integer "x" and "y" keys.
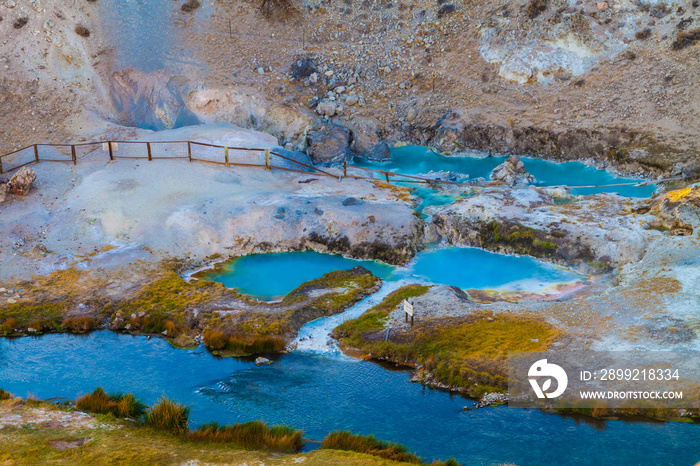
{"x": 250, "y": 110}
{"x": 512, "y": 172}
{"x": 558, "y": 43}
{"x": 597, "y": 228}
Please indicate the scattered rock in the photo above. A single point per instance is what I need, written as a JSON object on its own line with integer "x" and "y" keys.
{"x": 67, "y": 445}
{"x": 21, "y": 182}
{"x": 3, "y": 192}
{"x": 326, "y": 108}
{"x": 351, "y": 201}
{"x": 352, "y": 100}
{"x": 512, "y": 172}
{"x": 260, "y": 361}
{"x": 328, "y": 145}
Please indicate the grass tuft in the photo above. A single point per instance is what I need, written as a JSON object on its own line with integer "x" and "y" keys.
{"x": 169, "y": 416}
{"x": 6, "y": 395}
{"x": 254, "y": 435}
{"x": 119, "y": 405}
{"x": 368, "y": 444}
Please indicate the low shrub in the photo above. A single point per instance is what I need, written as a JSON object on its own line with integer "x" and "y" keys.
{"x": 20, "y": 23}
{"x": 255, "y": 435}
{"x": 644, "y": 34}
{"x": 344, "y": 440}
{"x": 6, "y": 395}
{"x": 535, "y": 8}
{"x": 215, "y": 339}
{"x": 117, "y": 404}
{"x": 190, "y": 6}
{"x": 82, "y": 31}
{"x": 168, "y": 415}
{"x": 278, "y": 10}
{"x": 685, "y": 39}
{"x": 79, "y": 324}
{"x": 9, "y": 325}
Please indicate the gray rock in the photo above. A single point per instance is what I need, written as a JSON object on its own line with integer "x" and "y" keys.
{"x": 366, "y": 142}
{"x": 3, "y": 192}
{"x": 328, "y": 145}
{"x": 352, "y": 100}
{"x": 351, "y": 201}
{"x": 512, "y": 172}
{"x": 326, "y": 108}
{"x": 260, "y": 361}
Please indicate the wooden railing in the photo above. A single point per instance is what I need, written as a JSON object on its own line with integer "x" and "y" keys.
{"x": 188, "y": 151}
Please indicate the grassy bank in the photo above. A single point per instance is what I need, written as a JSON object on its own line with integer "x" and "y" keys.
{"x": 466, "y": 354}
{"x": 161, "y": 303}
{"x": 37, "y": 432}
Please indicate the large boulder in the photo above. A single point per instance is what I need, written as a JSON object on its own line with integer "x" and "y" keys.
{"x": 366, "y": 142}
{"x": 328, "y": 145}
{"x": 512, "y": 172}
{"x": 21, "y": 182}
{"x": 448, "y": 135}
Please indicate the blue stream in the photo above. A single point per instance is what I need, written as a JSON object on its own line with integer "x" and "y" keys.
{"x": 271, "y": 276}
{"x": 321, "y": 393}
{"x": 414, "y": 160}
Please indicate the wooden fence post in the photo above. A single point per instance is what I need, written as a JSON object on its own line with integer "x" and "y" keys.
{"x": 1, "y": 166}
{"x": 345, "y": 168}
{"x": 189, "y": 150}
{"x": 267, "y": 159}
{"x": 226, "y": 156}
{"x": 387, "y": 177}
{"x": 150, "y": 154}
{"x": 111, "y": 152}
{"x": 36, "y": 152}
{"x": 73, "y": 155}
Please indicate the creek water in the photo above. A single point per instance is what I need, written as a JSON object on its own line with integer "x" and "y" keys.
{"x": 415, "y": 160}
{"x": 271, "y": 276}
{"x": 320, "y": 393}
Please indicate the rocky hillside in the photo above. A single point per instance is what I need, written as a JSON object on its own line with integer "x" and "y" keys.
{"x": 616, "y": 82}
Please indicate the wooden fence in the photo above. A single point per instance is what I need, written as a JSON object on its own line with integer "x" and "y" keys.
{"x": 202, "y": 152}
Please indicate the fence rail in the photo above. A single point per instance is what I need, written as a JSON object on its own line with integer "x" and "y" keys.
{"x": 198, "y": 151}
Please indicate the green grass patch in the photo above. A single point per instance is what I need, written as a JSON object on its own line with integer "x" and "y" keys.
{"x": 368, "y": 444}
{"x": 375, "y": 318}
{"x": 467, "y": 353}
{"x": 254, "y": 435}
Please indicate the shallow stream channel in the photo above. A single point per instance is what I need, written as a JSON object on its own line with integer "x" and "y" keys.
{"x": 318, "y": 389}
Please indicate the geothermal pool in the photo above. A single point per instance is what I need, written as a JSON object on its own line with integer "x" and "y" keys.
{"x": 320, "y": 393}
{"x": 414, "y": 160}
{"x": 271, "y": 276}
